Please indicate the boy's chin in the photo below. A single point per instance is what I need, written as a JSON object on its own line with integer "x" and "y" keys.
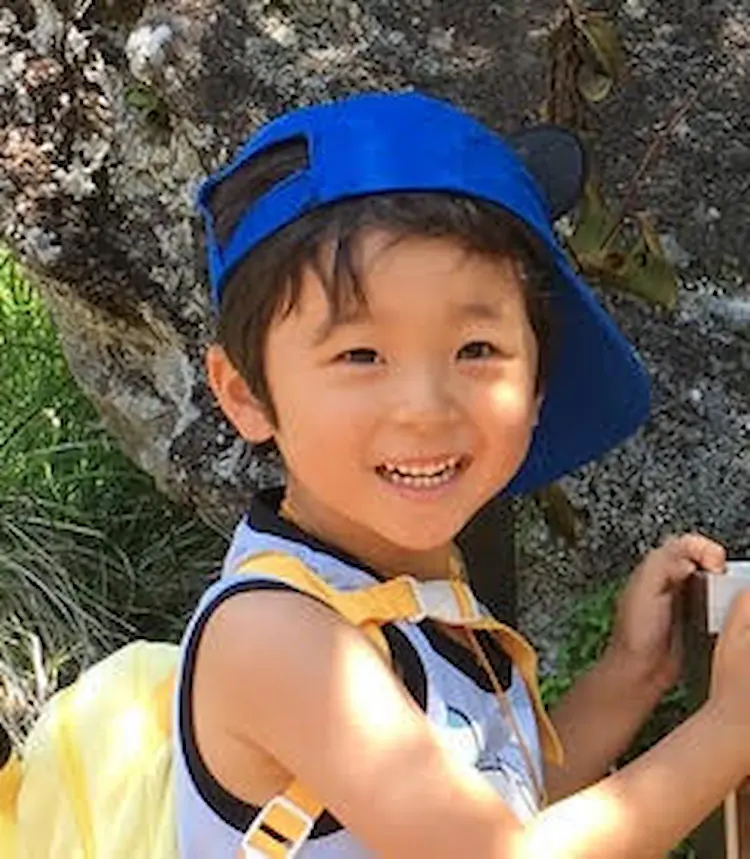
{"x": 421, "y": 540}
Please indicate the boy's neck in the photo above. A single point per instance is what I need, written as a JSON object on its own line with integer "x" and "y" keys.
{"x": 386, "y": 559}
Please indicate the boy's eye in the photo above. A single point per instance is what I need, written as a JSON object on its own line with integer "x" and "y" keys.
{"x": 477, "y": 349}
{"x": 358, "y": 356}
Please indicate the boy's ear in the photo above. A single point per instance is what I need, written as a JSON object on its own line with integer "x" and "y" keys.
{"x": 237, "y": 401}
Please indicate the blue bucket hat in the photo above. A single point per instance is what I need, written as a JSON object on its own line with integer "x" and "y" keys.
{"x": 596, "y": 393}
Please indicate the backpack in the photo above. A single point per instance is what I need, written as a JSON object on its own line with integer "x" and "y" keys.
{"x": 95, "y": 777}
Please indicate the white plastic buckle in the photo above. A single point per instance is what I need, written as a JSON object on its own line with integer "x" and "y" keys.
{"x": 418, "y": 599}
{"x": 440, "y": 602}
{"x": 292, "y": 847}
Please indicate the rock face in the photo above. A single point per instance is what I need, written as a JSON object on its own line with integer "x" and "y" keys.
{"x": 111, "y": 113}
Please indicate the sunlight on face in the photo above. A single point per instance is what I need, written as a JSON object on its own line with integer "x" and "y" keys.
{"x": 506, "y": 399}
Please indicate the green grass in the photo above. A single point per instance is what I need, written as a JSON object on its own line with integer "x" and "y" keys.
{"x": 91, "y": 554}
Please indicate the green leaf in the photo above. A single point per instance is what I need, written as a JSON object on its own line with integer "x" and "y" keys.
{"x": 140, "y": 97}
{"x": 593, "y": 225}
{"x": 645, "y": 271}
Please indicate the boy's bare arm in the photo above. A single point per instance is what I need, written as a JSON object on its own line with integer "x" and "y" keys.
{"x": 282, "y": 672}
{"x": 684, "y": 777}
{"x": 650, "y": 805}
{"x": 285, "y": 673}
{"x": 603, "y": 711}
{"x": 597, "y": 720}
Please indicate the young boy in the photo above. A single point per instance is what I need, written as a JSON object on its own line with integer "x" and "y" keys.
{"x": 396, "y": 316}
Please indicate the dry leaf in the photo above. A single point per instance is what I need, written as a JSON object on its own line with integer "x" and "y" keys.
{"x": 562, "y": 518}
{"x": 592, "y": 84}
{"x": 602, "y": 57}
{"x": 603, "y": 42}
{"x": 641, "y": 270}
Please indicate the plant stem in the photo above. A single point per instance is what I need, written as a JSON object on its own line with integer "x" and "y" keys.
{"x": 654, "y": 149}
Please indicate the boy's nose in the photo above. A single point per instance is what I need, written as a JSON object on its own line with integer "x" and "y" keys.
{"x": 422, "y": 398}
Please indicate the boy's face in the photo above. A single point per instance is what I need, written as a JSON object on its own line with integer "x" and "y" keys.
{"x": 397, "y": 424}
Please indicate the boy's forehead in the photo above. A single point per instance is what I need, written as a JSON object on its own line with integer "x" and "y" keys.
{"x": 415, "y": 272}
{"x": 376, "y": 253}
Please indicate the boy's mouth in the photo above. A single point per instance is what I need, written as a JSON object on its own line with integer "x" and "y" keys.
{"x": 423, "y": 475}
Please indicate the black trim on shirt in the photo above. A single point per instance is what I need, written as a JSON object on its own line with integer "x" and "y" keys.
{"x": 465, "y": 660}
{"x": 262, "y": 515}
{"x": 232, "y": 810}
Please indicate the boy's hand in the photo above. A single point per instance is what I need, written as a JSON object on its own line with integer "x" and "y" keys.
{"x": 647, "y": 637}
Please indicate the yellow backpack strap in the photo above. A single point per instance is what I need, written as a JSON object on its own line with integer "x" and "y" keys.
{"x": 524, "y": 657}
{"x": 367, "y": 608}
{"x": 450, "y": 601}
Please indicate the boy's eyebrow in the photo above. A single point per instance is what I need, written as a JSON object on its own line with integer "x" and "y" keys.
{"x": 478, "y": 310}
{"x": 352, "y": 316}
{"x": 474, "y": 310}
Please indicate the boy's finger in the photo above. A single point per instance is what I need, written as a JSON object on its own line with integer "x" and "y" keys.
{"x": 657, "y": 579}
{"x": 707, "y": 554}
{"x": 680, "y": 570}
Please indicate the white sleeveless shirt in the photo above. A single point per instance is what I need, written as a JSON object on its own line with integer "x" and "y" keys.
{"x": 441, "y": 676}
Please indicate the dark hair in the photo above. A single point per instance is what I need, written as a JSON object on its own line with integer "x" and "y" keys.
{"x": 268, "y": 280}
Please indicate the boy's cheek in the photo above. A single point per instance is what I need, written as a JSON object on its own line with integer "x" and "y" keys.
{"x": 511, "y": 408}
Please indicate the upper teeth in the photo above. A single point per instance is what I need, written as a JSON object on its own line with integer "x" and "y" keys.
{"x": 423, "y": 470}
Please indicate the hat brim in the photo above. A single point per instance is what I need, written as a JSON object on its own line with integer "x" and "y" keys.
{"x": 597, "y": 392}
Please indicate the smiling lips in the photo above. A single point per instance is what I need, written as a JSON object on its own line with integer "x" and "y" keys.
{"x": 423, "y": 476}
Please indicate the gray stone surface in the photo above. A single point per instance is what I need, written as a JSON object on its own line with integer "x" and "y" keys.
{"x": 688, "y": 468}
{"x": 110, "y": 113}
